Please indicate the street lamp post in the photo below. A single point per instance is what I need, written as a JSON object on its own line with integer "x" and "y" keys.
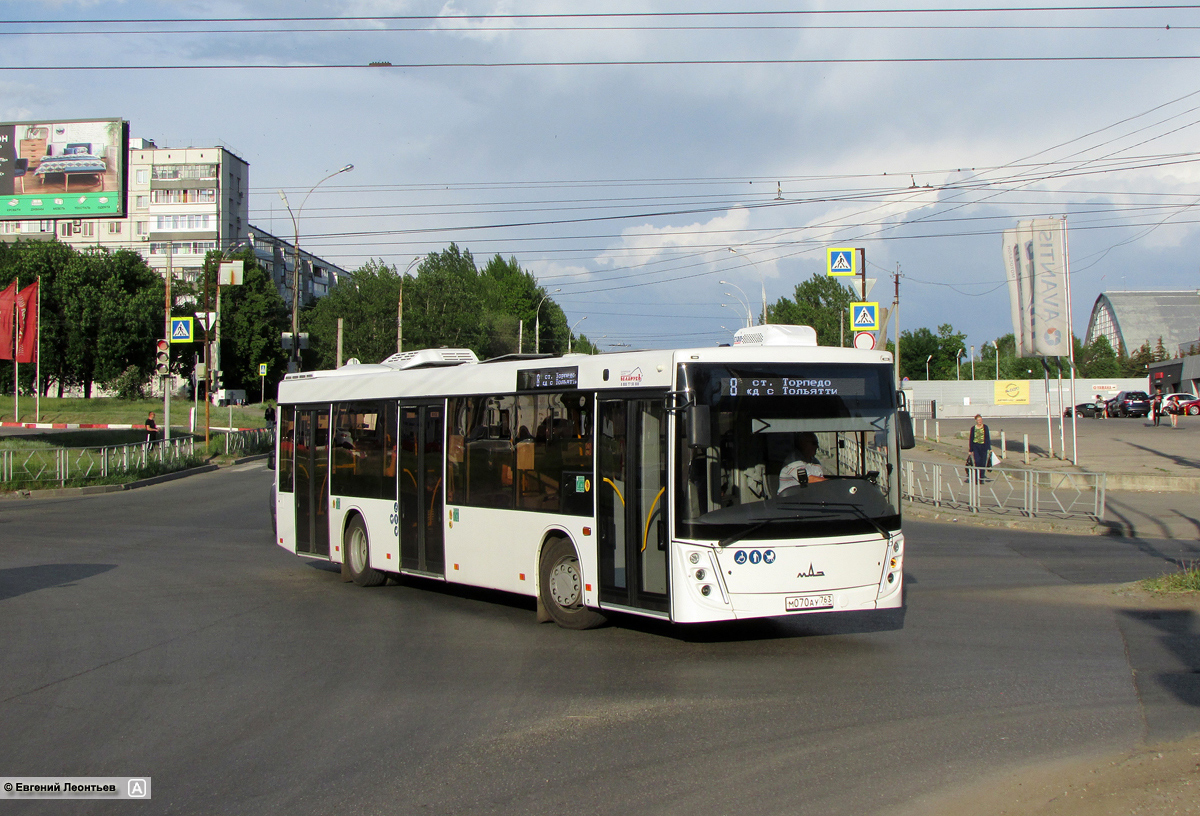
{"x": 537, "y": 323}
{"x": 996, "y": 345}
{"x": 294, "y": 363}
{"x": 571, "y": 332}
{"x": 958, "y": 363}
{"x": 927, "y": 359}
{"x": 744, "y": 300}
{"x": 400, "y": 307}
{"x": 762, "y": 281}
{"x": 973, "y": 363}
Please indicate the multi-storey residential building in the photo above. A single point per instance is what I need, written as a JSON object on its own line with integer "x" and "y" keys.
{"x": 183, "y": 203}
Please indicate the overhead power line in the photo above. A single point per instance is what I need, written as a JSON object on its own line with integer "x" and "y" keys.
{"x": 1127, "y": 58}
{"x": 637, "y": 15}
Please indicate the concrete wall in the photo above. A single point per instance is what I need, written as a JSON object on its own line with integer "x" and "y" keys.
{"x": 956, "y": 398}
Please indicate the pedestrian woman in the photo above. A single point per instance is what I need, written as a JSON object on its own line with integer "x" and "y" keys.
{"x": 979, "y": 447}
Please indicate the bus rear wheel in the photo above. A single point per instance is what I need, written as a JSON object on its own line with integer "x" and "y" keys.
{"x": 358, "y": 555}
{"x": 560, "y": 581}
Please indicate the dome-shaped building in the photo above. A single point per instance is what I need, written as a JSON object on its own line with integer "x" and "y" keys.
{"x": 1129, "y": 319}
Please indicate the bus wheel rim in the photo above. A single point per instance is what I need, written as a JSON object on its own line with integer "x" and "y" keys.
{"x": 358, "y": 550}
{"x": 565, "y": 583}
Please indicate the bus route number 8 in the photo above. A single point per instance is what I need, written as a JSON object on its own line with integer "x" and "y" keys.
{"x": 733, "y": 386}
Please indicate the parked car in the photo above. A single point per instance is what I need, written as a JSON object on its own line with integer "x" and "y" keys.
{"x": 1087, "y": 409}
{"x": 1129, "y": 404}
{"x": 1169, "y": 401}
{"x": 1190, "y": 407}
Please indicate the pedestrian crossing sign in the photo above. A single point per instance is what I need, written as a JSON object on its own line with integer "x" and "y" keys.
{"x": 864, "y": 316}
{"x": 841, "y": 261}
{"x": 181, "y": 330}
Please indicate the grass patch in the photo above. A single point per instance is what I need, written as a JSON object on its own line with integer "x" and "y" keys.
{"x": 1186, "y": 579}
{"x": 112, "y": 411}
{"x": 149, "y": 471}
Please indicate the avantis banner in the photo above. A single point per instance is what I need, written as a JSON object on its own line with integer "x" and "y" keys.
{"x": 1035, "y": 262}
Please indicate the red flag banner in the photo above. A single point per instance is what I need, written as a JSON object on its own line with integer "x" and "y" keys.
{"x": 8, "y": 300}
{"x": 27, "y": 329}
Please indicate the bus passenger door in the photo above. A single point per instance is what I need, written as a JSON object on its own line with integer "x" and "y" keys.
{"x": 422, "y": 461}
{"x": 632, "y": 504}
{"x": 312, "y": 481}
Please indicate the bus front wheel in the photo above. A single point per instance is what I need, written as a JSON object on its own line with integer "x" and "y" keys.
{"x": 358, "y": 555}
{"x": 560, "y": 582}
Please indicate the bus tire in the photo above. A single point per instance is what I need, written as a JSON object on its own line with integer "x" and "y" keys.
{"x": 358, "y": 554}
{"x": 560, "y": 584}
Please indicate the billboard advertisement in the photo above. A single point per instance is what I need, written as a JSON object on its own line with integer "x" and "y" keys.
{"x": 63, "y": 169}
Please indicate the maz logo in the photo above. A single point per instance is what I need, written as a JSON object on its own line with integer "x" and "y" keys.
{"x": 811, "y": 573}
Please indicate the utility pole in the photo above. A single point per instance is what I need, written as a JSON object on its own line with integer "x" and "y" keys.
{"x": 896, "y": 323}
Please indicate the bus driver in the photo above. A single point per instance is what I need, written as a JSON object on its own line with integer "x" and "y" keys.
{"x": 804, "y": 457}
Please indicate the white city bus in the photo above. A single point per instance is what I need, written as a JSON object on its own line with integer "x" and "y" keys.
{"x": 644, "y": 482}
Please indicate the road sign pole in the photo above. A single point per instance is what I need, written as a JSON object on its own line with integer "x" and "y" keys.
{"x": 167, "y": 378}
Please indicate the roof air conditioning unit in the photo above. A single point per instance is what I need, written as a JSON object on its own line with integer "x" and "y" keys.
{"x": 426, "y": 358}
{"x": 776, "y": 335}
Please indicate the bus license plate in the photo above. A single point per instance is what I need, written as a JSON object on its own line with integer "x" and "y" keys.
{"x": 802, "y": 603}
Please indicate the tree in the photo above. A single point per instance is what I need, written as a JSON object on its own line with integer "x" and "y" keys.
{"x": 366, "y": 300}
{"x": 1097, "y": 359}
{"x": 1137, "y": 363}
{"x": 915, "y": 348}
{"x": 443, "y": 304}
{"x": 821, "y": 302}
{"x": 253, "y": 317}
{"x": 448, "y": 303}
{"x": 100, "y": 311}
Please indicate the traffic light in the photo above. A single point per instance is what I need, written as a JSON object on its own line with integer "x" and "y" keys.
{"x": 162, "y": 358}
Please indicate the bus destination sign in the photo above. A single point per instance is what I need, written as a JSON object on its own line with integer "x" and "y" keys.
{"x": 542, "y": 379}
{"x": 791, "y": 387}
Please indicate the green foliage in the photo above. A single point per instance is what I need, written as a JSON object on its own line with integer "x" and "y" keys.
{"x": 582, "y": 345}
{"x": 448, "y": 303}
{"x": 1186, "y": 579}
{"x": 1137, "y": 363}
{"x": 1097, "y": 359}
{"x": 130, "y": 385}
{"x": 918, "y": 346}
{"x": 253, "y": 316}
{"x": 822, "y": 302}
{"x": 366, "y": 301}
{"x": 100, "y": 311}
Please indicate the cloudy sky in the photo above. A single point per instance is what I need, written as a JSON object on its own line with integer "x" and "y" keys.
{"x": 636, "y": 155}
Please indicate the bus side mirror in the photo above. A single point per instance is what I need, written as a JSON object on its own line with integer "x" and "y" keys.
{"x": 699, "y": 430}
{"x": 904, "y": 428}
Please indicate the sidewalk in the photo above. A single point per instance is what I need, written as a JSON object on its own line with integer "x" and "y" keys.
{"x": 1153, "y": 473}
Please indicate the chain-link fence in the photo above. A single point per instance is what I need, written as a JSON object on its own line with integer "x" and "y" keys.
{"x": 1027, "y": 493}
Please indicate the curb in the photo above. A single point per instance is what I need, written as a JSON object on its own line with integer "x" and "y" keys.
{"x": 1040, "y": 525}
{"x": 91, "y": 490}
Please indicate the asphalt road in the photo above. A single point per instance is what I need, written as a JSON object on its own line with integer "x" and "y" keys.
{"x": 160, "y": 633}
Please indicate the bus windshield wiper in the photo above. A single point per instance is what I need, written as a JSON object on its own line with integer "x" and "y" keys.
{"x": 745, "y": 531}
{"x": 854, "y": 508}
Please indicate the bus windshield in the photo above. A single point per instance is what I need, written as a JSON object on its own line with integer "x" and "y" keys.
{"x": 786, "y": 450}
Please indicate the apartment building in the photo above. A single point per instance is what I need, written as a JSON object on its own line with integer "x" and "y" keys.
{"x": 183, "y": 203}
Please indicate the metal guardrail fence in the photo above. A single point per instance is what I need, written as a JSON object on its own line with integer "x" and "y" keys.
{"x": 63, "y": 464}
{"x": 1029, "y": 493}
{"x": 258, "y": 440}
